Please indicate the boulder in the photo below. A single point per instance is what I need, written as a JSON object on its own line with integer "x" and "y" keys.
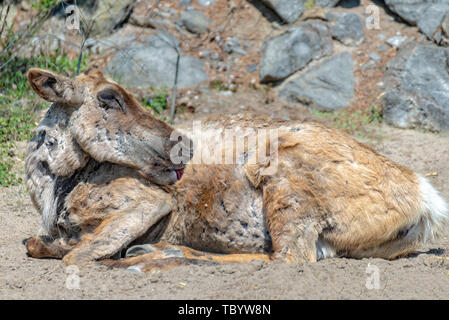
{"x": 431, "y": 19}
{"x": 349, "y": 29}
{"x": 287, "y": 10}
{"x": 328, "y": 86}
{"x": 154, "y": 65}
{"x": 418, "y": 95}
{"x": 109, "y": 14}
{"x": 409, "y": 10}
{"x": 293, "y": 50}
{"x": 427, "y": 15}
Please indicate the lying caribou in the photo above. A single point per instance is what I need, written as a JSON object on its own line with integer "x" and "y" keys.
{"x": 101, "y": 174}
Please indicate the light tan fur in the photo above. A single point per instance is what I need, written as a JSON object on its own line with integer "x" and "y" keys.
{"x": 330, "y": 195}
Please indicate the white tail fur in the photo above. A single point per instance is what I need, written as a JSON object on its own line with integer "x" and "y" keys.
{"x": 435, "y": 211}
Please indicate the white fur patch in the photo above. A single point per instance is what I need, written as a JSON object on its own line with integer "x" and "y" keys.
{"x": 49, "y": 210}
{"x": 324, "y": 249}
{"x": 435, "y": 211}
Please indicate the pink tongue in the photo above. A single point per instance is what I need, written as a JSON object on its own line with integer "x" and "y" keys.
{"x": 179, "y": 173}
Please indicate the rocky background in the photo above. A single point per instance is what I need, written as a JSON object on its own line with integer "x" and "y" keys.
{"x": 287, "y": 58}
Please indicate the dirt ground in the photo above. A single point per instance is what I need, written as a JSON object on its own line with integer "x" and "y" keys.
{"x": 422, "y": 276}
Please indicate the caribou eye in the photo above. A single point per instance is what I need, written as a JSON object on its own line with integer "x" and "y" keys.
{"x": 111, "y": 99}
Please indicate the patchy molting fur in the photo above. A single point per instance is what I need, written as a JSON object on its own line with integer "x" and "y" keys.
{"x": 52, "y": 154}
{"x": 330, "y": 196}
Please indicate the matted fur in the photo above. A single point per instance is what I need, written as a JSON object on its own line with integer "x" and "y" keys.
{"x": 97, "y": 168}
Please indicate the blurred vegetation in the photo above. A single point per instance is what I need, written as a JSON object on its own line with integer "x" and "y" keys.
{"x": 20, "y": 107}
{"x": 354, "y": 122}
{"x": 157, "y": 103}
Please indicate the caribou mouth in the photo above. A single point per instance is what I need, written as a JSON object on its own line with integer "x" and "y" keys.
{"x": 179, "y": 173}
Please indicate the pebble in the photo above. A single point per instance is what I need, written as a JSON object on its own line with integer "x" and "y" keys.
{"x": 396, "y": 41}
{"x": 205, "y": 3}
{"x": 374, "y": 56}
{"x": 382, "y": 48}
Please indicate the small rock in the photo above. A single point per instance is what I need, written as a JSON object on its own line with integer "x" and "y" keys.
{"x": 252, "y": 67}
{"x": 374, "y": 56}
{"x": 332, "y": 16}
{"x": 233, "y": 45}
{"x": 291, "y": 10}
{"x": 149, "y": 22}
{"x": 382, "y": 48}
{"x": 184, "y": 3}
{"x": 134, "y": 269}
{"x": 204, "y": 54}
{"x": 206, "y": 3}
{"x": 276, "y": 25}
{"x": 195, "y": 21}
{"x": 215, "y": 56}
{"x": 239, "y": 51}
{"x": 369, "y": 65}
{"x": 349, "y": 29}
{"x": 396, "y": 41}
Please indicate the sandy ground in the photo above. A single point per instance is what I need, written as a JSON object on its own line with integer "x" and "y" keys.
{"x": 423, "y": 276}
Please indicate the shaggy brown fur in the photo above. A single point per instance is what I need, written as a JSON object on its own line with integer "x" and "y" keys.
{"x": 99, "y": 173}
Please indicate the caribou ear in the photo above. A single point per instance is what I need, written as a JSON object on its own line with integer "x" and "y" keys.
{"x": 54, "y": 88}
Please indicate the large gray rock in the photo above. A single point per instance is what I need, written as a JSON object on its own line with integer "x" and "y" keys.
{"x": 328, "y": 86}
{"x": 409, "y": 10}
{"x": 418, "y": 93}
{"x": 349, "y": 29}
{"x": 109, "y": 14}
{"x": 154, "y": 65}
{"x": 293, "y": 50}
{"x": 431, "y": 19}
{"x": 427, "y": 15}
{"x": 291, "y": 10}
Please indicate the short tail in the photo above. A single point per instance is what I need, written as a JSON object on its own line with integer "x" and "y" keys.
{"x": 435, "y": 217}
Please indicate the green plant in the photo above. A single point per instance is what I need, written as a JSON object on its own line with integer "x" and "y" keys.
{"x": 45, "y": 5}
{"x": 158, "y": 101}
{"x": 376, "y": 114}
{"x": 310, "y": 4}
{"x": 218, "y": 85}
{"x": 355, "y": 122}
